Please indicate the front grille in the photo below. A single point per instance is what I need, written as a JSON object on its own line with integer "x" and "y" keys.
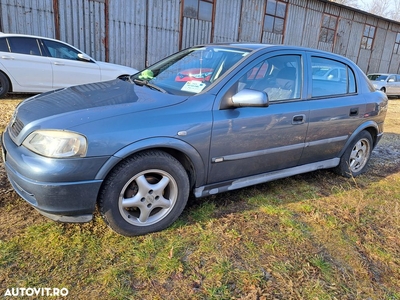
{"x": 16, "y": 127}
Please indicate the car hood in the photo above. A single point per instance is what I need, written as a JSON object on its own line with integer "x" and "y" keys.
{"x": 109, "y": 67}
{"x": 62, "y": 109}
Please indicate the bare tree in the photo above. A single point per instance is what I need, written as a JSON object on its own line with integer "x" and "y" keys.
{"x": 389, "y": 9}
{"x": 384, "y": 8}
{"x": 352, "y": 3}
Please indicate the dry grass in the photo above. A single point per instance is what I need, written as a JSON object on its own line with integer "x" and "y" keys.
{"x": 311, "y": 236}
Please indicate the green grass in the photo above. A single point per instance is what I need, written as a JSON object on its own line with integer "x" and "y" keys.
{"x": 299, "y": 245}
{"x": 311, "y": 236}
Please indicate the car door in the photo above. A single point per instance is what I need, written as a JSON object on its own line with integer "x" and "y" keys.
{"x": 336, "y": 110}
{"x": 68, "y": 68}
{"x": 391, "y": 86}
{"x": 253, "y": 140}
{"x": 397, "y": 83}
{"x": 30, "y": 71}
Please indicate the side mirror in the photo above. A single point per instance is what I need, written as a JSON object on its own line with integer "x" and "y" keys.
{"x": 84, "y": 57}
{"x": 248, "y": 97}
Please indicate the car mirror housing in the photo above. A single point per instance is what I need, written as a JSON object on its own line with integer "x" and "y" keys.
{"x": 248, "y": 97}
{"x": 84, "y": 57}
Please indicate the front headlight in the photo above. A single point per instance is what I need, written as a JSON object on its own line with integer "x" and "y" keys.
{"x": 56, "y": 144}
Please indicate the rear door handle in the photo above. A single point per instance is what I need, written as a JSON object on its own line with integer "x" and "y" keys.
{"x": 298, "y": 119}
{"x": 353, "y": 111}
{"x": 59, "y": 63}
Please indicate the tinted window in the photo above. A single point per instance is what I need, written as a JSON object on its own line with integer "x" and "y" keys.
{"x": 3, "y": 45}
{"x": 330, "y": 77}
{"x": 278, "y": 76}
{"x": 60, "y": 50}
{"x": 24, "y": 45}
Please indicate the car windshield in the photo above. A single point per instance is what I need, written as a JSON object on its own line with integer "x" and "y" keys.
{"x": 190, "y": 71}
{"x": 377, "y": 77}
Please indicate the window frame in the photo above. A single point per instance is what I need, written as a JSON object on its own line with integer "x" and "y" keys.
{"x": 230, "y": 89}
{"x": 396, "y": 47}
{"x": 274, "y": 16}
{"x": 351, "y": 79}
{"x": 328, "y": 31}
{"x": 368, "y": 38}
{"x": 199, "y": 15}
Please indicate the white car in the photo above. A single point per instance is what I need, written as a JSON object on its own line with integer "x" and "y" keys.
{"x": 328, "y": 73}
{"x": 387, "y": 83}
{"x": 33, "y": 64}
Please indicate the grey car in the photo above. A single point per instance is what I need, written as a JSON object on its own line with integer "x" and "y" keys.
{"x": 387, "y": 83}
{"x": 208, "y": 119}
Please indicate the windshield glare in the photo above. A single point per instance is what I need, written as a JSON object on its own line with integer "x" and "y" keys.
{"x": 190, "y": 71}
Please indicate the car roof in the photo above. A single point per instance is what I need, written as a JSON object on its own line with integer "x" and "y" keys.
{"x": 260, "y": 46}
{"x": 2, "y": 34}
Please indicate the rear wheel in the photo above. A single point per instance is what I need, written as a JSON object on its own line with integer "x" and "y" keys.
{"x": 145, "y": 193}
{"x": 4, "y": 85}
{"x": 355, "y": 159}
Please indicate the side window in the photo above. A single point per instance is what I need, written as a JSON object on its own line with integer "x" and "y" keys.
{"x": 3, "y": 45}
{"x": 278, "y": 76}
{"x": 391, "y": 79}
{"x": 330, "y": 77}
{"x": 59, "y": 50}
{"x": 24, "y": 45}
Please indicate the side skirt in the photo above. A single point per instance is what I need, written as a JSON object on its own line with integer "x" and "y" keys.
{"x": 234, "y": 184}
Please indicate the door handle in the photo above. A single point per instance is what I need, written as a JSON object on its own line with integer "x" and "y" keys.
{"x": 298, "y": 119}
{"x": 353, "y": 111}
{"x": 7, "y": 57}
{"x": 58, "y": 63}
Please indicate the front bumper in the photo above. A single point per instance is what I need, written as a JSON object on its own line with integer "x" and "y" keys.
{"x": 60, "y": 189}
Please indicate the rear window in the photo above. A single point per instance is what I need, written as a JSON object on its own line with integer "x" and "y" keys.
{"x": 331, "y": 78}
{"x": 24, "y": 45}
{"x": 3, "y": 45}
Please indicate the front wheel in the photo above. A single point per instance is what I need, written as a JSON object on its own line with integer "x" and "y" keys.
{"x": 355, "y": 159}
{"x": 144, "y": 193}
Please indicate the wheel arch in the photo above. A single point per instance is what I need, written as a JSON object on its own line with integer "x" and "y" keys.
{"x": 189, "y": 158}
{"x": 369, "y": 126}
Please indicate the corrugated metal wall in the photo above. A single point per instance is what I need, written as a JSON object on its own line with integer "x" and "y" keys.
{"x": 162, "y": 29}
{"x": 82, "y": 24}
{"x": 226, "y": 25}
{"x": 28, "y": 17}
{"x": 139, "y": 32}
{"x": 251, "y": 21}
{"x": 127, "y": 33}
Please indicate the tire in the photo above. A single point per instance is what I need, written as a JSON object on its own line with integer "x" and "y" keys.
{"x": 4, "y": 85}
{"x": 144, "y": 193}
{"x": 383, "y": 90}
{"x": 354, "y": 160}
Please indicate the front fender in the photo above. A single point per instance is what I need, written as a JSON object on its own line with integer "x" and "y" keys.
{"x": 157, "y": 143}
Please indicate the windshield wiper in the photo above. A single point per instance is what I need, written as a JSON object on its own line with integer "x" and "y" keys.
{"x": 143, "y": 82}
